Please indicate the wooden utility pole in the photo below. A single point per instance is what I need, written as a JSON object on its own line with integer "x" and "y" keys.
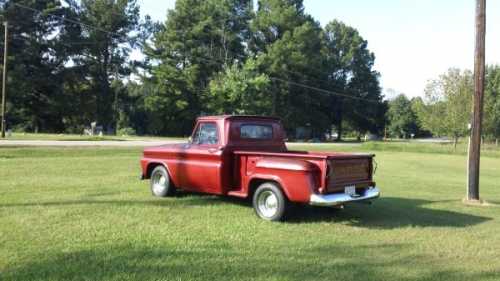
{"x": 477, "y": 114}
{"x": 4, "y": 76}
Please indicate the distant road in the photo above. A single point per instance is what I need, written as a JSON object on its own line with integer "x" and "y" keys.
{"x": 325, "y": 143}
{"x": 140, "y": 143}
{"x": 124, "y": 143}
{"x": 434, "y": 140}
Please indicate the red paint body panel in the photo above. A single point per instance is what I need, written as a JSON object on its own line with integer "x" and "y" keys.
{"x": 233, "y": 165}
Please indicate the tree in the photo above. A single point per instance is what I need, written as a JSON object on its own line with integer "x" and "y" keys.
{"x": 402, "y": 119}
{"x": 350, "y": 68}
{"x": 194, "y": 44}
{"x": 273, "y": 19}
{"x": 287, "y": 45}
{"x": 72, "y": 54}
{"x": 491, "y": 120}
{"x": 240, "y": 90}
{"x": 208, "y": 57}
{"x": 447, "y": 104}
{"x": 105, "y": 43}
{"x": 416, "y": 104}
{"x": 36, "y": 32}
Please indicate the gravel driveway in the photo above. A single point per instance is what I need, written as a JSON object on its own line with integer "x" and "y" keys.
{"x": 141, "y": 143}
{"x": 124, "y": 143}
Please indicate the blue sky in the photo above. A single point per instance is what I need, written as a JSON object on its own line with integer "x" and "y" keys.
{"x": 413, "y": 40}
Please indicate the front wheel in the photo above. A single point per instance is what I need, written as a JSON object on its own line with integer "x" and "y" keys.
{"x": 269, "y": 202}
{"x": 161, "y": 185}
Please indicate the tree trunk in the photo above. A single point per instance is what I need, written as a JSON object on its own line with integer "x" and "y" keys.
{"x": 339, "y": 130}
{"x": 274, "y": 98}
{"x": 106, "y": 109}
{"x": 455, "y": 141}
{"x": 496, "y": 142}
{"x": 339, "y": 123}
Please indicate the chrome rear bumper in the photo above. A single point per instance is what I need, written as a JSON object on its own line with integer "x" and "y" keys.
{"x": 341, "y": 198}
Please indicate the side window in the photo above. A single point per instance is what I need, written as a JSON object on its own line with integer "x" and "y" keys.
{"x": 206, "y": 134}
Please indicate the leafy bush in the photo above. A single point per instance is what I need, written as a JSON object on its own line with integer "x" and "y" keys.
{"x": 126, "y": 131}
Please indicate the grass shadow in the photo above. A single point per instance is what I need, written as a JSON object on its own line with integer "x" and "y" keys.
{"x": 6, "y": 157}
{"x": 211, "y": 262}
{"x": 215, "y": 198}
{"x": 173, "y": 202}
{"x": 181, "y": 198}
{"x": 384, "y": 213}
{"x": 389, "y": 213}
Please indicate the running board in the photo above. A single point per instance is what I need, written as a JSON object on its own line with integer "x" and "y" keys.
{"x": 237, "y": 193}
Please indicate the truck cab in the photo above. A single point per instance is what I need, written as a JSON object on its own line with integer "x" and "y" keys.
{"x": 246, "y": 156}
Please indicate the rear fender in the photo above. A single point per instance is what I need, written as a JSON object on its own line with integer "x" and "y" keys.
{"x": 296, "y": 177}
{"x": 285, "y": 164}
{"x": 267, "y": 177}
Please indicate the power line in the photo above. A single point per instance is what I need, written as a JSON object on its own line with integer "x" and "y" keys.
{"x": 68, "y": 20}
{"x": 322, "y": 90}
{"x": 310, "y": 79}
{"x": 82, "y": 43}
{"x": 213, "y": 60}
{"x": 114, "y": 33}
{"x": 27, "y": 40}
{"x": 77, "y": 21}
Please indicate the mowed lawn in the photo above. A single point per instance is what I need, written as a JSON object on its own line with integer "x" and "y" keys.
{"x": 83, "y": 214}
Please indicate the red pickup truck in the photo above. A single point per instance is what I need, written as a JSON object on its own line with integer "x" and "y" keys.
{"x": 246, "y": 156}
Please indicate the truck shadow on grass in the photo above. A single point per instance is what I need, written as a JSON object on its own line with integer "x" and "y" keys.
{"x": 214, "y": 261}
{"x": 388, "y": 213}
{"x": 384, "y": 213}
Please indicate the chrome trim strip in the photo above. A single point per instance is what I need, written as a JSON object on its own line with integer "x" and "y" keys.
{"x": 341, "y": 198}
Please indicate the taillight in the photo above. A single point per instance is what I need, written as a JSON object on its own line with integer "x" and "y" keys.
{"x": 326, "y": 180}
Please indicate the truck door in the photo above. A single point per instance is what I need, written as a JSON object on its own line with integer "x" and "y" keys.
{"x": 204, "y": 162}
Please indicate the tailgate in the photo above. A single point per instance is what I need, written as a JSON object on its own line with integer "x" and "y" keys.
{"x": 349, "y": 171}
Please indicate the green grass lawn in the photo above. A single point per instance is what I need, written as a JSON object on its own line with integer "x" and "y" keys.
{"x": 82, "y": 214}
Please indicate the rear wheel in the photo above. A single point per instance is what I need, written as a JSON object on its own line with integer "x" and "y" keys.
{"x": 160, "y": 183}
{"x": 269, "y": 202}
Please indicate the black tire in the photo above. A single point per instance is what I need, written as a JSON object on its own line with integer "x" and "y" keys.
{"x": 160, "y": 183}
{"x": 270, "y": 203}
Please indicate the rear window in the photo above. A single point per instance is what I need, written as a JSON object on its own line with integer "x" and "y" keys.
{"x": 258, "y": 132}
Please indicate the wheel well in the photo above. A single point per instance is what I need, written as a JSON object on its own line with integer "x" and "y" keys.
{"x": 151, "y": 167}
{"x": 254, "y": 183}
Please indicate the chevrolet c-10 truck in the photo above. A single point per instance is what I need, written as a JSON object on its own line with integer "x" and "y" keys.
{"x": 246, "y": 156}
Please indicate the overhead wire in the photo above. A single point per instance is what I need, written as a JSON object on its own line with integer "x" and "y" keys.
{"x": 67, "y": 19}
{"x": 320, "y": 90}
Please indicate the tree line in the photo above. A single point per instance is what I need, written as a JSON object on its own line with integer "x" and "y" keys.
{"x": 445, "y": 108}
{"x": 70, "y": 64}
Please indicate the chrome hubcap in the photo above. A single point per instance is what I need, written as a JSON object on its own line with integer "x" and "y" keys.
{"x": 159, "y": 183}
{"x": 267, "y": 204}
